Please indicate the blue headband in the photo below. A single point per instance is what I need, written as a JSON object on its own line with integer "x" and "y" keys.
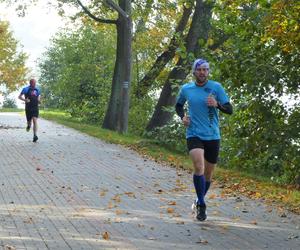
{"x": 198, "y": 63}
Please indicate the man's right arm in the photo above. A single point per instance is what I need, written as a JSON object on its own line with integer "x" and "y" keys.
{"x": 21, "y": 97}
{"x": 179, "y": 110}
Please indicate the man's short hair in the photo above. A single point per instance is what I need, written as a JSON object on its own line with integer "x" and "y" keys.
{"x": 32, "y": 81}
{"x": 198, "y": 62}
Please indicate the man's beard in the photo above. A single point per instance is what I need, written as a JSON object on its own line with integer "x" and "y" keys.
{"x": 201, "y": 79}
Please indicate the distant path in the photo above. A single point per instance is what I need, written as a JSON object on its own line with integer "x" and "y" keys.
{"x": 67, "y": 190}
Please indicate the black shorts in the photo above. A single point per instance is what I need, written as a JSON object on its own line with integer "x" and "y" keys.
{"x": 31, "y": 113}
{"x": 211, "y": 148}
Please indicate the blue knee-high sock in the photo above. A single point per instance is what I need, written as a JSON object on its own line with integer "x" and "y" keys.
{"x": 207, "y": 185}
{"x": 199, "y": 183}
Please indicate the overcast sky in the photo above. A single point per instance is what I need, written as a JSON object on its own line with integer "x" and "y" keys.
{"x": 34, "y": 30}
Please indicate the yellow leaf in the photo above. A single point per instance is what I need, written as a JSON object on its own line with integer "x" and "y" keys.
{"x": 258, "y": 195}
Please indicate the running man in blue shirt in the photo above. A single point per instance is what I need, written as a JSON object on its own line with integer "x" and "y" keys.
{"x": 32, "y": 98}
{"x": 204, "y": 98}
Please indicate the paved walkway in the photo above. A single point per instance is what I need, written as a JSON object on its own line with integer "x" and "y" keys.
{"x": 72, "y": 191}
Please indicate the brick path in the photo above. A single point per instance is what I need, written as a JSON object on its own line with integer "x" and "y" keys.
{"x": 67, "y": 190}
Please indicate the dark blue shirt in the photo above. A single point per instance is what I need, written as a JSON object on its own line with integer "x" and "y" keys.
{"x": 32, "y": 94}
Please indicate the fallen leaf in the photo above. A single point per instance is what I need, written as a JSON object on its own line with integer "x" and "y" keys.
{"x": 118, "y": 212}
{"x": 28, "y": 221}
{"x": 172, "y": 203}
{"x": 177, "y": 215}
{"x": 105, "y": 236}
{"x": 225, "y": 227}
{"x": 117, "y": 198}
{"x": 258, "y": 195}
{"x": 110, "y": 205}
{"x": 170, "y": 210}
{"x": 212, "y": 196}
{"x": 103, "y": 192}
{"x": 269, "y": 210}
{"x": 254, "y": 222}
{"x": 8, "y": 247}
{"x": 202, "y": 242}
{"x": 117, "y": 220}
{"x": 130, "y": 194}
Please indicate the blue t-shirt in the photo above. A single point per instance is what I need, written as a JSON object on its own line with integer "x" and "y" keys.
{"x": 204, "y": 120}
{"x": 32, "y": 94}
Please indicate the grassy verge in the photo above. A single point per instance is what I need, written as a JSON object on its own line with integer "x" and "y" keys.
{"x": 233, "y": 182}
{"x": 11, "y": 110}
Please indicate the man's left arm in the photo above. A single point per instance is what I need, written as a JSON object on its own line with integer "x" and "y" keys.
{"x": 39, "y": 97}
{"x": 223, "y": 103}
{"x": 225, "y": 108}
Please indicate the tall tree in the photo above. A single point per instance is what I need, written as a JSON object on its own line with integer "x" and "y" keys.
{"x": 12, "y": 60}
{"x": 116, "y": 117}
{"x": 76, "y": 71}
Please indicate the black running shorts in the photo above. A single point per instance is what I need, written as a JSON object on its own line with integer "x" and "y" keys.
{"x": 31, "y": 113}
{"x": 211, "y": 148}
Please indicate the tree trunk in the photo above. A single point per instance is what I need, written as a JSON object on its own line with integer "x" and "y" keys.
{"x": 116, "y": 117}
{"x": 199, "y": 30}
{"x": 126, "y": 60}
{"x": 111, "y": 115}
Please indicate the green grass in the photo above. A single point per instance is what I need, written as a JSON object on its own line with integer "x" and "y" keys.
{"x": 234, "y": 182}
{"x": 11, "y": 110}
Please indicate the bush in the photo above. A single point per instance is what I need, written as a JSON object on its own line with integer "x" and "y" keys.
{"x": 9, "y": 103}
{"x": 171, "y": 136}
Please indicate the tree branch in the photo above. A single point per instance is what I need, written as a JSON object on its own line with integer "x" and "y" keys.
{"x": 219, "y": 42}
{"x": 165, "y": 57}
{"x": 94, "y": 17}
{"x": 117, "y": 8}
